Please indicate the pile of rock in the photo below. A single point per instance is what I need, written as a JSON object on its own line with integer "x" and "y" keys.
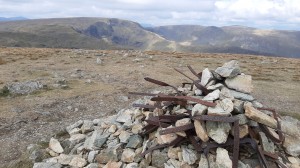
{"x": 139, "y": 137}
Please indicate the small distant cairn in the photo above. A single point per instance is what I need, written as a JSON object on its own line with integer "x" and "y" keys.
{"x": 211, "y": 122}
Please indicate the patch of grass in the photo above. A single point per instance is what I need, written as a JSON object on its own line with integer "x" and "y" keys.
{"x": 43, "y": 144}
{"x": 2, "y": 61}
{"x": 61, "y": 134}
{"x": 294, "y": 115}
{"x": 4, "y": 92}
{"x": 23, "y": 162}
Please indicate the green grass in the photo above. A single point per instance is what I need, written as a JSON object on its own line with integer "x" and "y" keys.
{"x": 4, "y": 92}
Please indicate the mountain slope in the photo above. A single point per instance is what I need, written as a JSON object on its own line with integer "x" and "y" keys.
{"x": 233, "y": 39}
{"x": 110, "y": 33}
{"x": 89, "y": 33}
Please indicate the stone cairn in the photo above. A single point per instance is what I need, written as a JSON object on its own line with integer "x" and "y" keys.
{"x": 214, "y": 122}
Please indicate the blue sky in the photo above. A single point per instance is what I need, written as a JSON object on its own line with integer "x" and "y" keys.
{"x": 267, "y": 14}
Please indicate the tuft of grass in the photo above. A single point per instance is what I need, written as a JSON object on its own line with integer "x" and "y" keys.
{"x": 4, "y": 91}
{"x": 2, "y": 61}
{"x": 62, "y": 133}
{"x": 294, "y": 115}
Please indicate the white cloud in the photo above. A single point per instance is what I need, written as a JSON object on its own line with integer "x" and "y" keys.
{"x": 258, "y": 13}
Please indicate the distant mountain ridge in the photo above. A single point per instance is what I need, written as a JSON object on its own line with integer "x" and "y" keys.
{"x": 111, "y": 33}
{"x": 2, "y": 19}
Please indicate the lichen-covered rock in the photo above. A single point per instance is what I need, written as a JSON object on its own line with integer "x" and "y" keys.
{"x": 189, "y": 156}
{"x": 47, "y": 165}
{"x": 159, "y": 158}
{"x": 199, "y": 109}
{"x": 223, "y": 158}
{"x": 128, "y": 155}
{"x": 26, "y": 87}
{"x": 218, "y": 131}
{"x": 78, "y": 162}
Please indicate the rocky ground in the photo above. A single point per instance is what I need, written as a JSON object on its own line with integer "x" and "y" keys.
{"x": 89, "y": 84}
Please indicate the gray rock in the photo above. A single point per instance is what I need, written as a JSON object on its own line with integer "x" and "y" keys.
{"x": 75, "y": 131}
{"x": 78, "y": 162}
{"x": 198, "y": 92}
{"x": 132, "y": 165}
{"x": 87, "y": 126}
{"x": 212, "y": 96}
{"x": 257, "y": 104}
{"x": 203, "y": 163}
{"x": 124, "y": 116}
{"x": 229, "y": 69}
{"x": 74, "y": 149}
{"x": 216, "y": 86}
{"x": 216, "y": 75}
{"x": 173, "y": 152}
{"x": 292, "y": 145}
{"x": 55, "y": 146}
{"x": 64, "y": 159}
{"x": 24, "y": 87}
{"x": 98, "y": 61}
{"x": 128, "y": 155}
{"x": 210, "y": 83}
{"x": 112, "y": 128}
{"x": 77, "y": 138}
{"x": 47, "y": 165}
{"x": 267, "y": 145}
{"x": 223, "y": 107}
{"x": 50, "y": 160}
{"x": 137, "y": 128}
{"x": 225, "y": 93}
{"x": 172, "y": 163}
{"x": 241, "y": 96}
{"x": 123, "y": 98}
{"x": 75, "y": 125}
{"x": 124, "y": 136}
{"x": 222, "y": 158}
{"x": 206, "y": 76}
{"x": 218, "y": 131}
{"x": 182, "y": 122}
{"x": 97, "y": 121}
{"x": 114, "y": 165}
{"x": 159, "y": 158}
{"x": 189, "y": 155}
{"x": 238, "y": 106}
{"x": 242, "y": 165}
{"x": 91, "y": 156}
{"x": 96, "y": 141}
{"x": 242, "y": 119}
{"x": 134, "y": 142}
{"x": 291, "y": 126}
{"x": 109, "y": 154}
{"x": 112, "y": 143}
{"x": 242, "y": 83}
{"x": 199, "y": 109}
{"x": 92, "y": 165}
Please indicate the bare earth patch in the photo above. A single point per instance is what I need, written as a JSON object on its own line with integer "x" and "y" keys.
{"x": 79, "y": 88}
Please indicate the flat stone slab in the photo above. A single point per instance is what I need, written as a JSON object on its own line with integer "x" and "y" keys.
{"x": 242, "y": 83}
{"x": 229, "y": 69}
